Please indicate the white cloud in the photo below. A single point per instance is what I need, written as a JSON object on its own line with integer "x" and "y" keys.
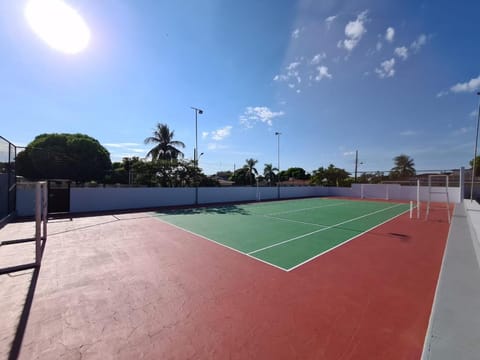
{"x": 401, "y": 52}
{"x": 222, "y": 133}
{"x": 293, "y": 65}
{"x": 280, "y": 77}
{"x": 317, "y": 58}
{"x": 205, "y": 134}
{"x": 118, "y": 151}
{"x": 215, "y": 146}
{"x": 419, "y": 43}
{"x": 120, "y": 145}
{"x": 322, "y": 73}
{"x": 390, "y": 34}
{"x": 292, "y": 72}
{"x": 408, "y": 133}
{"x": 379, "y": 46}
{"x": 348, "y": 153}
{"x": 263, "y": 114}
{"x": 473, "y": 113}
{"x": 442, "y": 93}
{"x": 329, "y": 21}
{"x": 461, "y": 131}
{"x": 296, "y": 33}
{"x": 386, "y": 69}
{"x": 354, "y": 32}
{"x": 469, "y": 86}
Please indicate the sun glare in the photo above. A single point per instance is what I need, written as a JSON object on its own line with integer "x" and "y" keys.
{"x": 58, "y": 24}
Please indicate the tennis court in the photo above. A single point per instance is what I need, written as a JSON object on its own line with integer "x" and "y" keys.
{"x": 285, "y": 234}
{"x": 149, "y": 284}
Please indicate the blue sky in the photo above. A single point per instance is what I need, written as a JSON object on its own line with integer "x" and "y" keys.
{"x": 380, "y": 77}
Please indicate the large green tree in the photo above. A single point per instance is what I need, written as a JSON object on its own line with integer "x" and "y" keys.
{"x": 404, "y": 166}
{"x": 250, "y": 170}
{"x": 239, "y": 177}
{"x": 269, "y": 174}
{"x": 294, "y": 173}
{"x": 76, "y": 157}
{"x": 163, "y": 173}
{"x": 165, "y": 147}
{"x": 477, "y": 165}
{"x": 331, "y": 176}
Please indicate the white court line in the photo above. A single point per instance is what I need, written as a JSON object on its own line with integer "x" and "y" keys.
{"x": 269, "y": 201}
{"x": 344, "y": 242}
{"x": 294, "y": 221}
{"x": 219, "y": 243}
{"x": 323, "y": 229}
{"x": 310, "y": 208}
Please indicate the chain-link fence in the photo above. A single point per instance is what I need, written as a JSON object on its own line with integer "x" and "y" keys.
{"x": 8, "y": 153}
{"x": 411, "y": 179}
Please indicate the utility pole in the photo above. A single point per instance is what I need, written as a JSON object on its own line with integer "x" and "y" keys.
{"x": 356, "y": 164}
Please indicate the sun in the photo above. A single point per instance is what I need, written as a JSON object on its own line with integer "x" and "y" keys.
{"x": 58, "y": 24}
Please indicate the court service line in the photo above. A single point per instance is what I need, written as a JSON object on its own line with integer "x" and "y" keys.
{"x": 346, "y": 241}
{"x": 310, "y": 208}
{"x": 219, "y": 243}
{"x": 323, "y": 229}
{"x": 294, "y": 221}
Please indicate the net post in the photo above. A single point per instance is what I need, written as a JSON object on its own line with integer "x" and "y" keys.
{"x": 411, "y": 208}
{"x": 418, "y": 198}
{"x": 387, "y": 198}
{"x": 44, "y": 210}
{"x": 38, "y": 222}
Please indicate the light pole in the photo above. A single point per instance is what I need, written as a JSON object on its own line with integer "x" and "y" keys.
{"x": 356, "y": 164}
{"x": 475, "y": 153}
{"x": 195, "y": 152}
{"x": 277, "y": 134}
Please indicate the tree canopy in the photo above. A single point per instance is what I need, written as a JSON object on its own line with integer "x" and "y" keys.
{"x": 77, "y": 157}
{"x": 246, "y": 174}
{"x": 294, "y": 173}
{"x": 250, "y": 170}
{"x": 164, "y": 173}
{"x": 269, "y": 173}
{"x": 165, "y": 147}
{"x": 331, "y": 176}
{"x": 477, "y": 165}
{"x": 404, "y": 166}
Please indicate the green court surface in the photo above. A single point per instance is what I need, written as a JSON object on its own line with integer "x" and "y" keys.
{"x": 285, "y": 234}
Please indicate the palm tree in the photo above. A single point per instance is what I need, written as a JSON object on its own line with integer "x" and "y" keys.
{"x": 404, "y": 166}
{"x": 250, "y": 169}
{"x": 269, "y": 173}
{"x": 166, "y": 147}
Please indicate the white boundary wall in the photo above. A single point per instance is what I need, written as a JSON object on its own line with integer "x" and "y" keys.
{"x": 25, "y": 201}
{"x": 105, "y": 199}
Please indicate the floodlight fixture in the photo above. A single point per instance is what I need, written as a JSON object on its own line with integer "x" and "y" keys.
{"x": 195, "y": 152}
